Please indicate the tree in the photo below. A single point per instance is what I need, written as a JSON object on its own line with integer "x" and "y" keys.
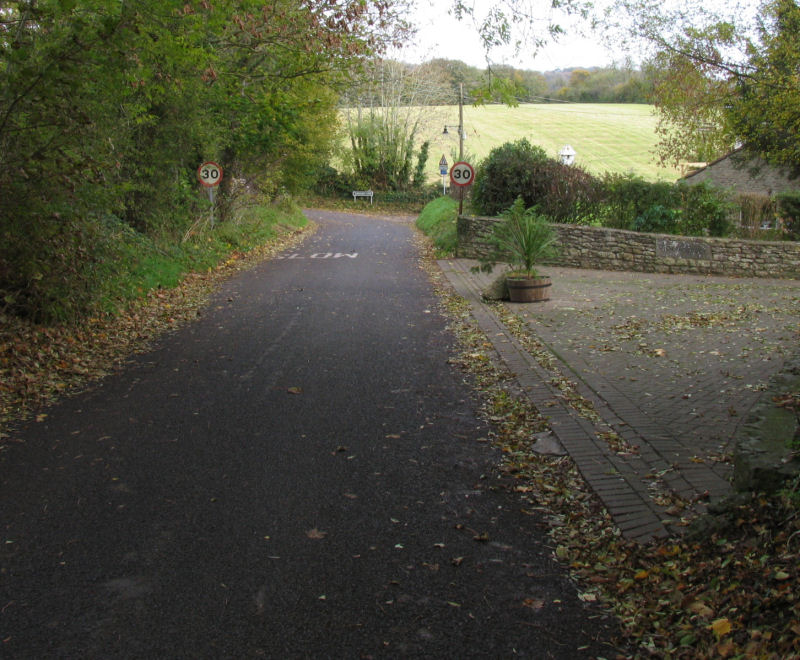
{"x": 528, "y": 24}
{"x": 771, "y": 88}
{"x": 107, "y": 109}
{"x": 383, "y": 116}
{"x": 716, "y": 77}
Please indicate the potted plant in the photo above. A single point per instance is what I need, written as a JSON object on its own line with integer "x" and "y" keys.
{"x": 522, "y": 238}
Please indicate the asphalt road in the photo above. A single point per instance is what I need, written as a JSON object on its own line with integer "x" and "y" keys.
{"x": 300, "y": 473}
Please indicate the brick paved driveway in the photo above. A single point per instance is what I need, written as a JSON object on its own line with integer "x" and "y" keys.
{"x": 671, "y": 363}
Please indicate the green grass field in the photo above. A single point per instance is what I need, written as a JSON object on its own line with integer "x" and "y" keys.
{"x": 606, "y": 137}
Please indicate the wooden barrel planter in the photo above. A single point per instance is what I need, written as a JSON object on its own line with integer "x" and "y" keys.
{"x": 528, "y": 289}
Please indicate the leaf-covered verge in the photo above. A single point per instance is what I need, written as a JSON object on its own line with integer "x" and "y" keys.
{"x": 728, "y": 594}
{"x": 41, "y": 362}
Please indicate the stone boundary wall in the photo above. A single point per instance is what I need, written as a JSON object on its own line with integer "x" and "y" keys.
{"x": 617, "y": 249}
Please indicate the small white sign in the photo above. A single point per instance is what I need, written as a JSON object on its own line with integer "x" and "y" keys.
{"x": 209, "y": 174}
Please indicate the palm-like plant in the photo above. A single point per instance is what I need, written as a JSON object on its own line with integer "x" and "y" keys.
{"x": 523, "y": 238}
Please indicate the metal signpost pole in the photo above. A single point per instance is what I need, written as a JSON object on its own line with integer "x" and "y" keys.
{"x": 209, "y": 174}
{"x": 211, "y": 199}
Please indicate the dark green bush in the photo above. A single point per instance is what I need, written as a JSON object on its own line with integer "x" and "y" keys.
{"x": 518, "y": 169}
{"x": 509, "y": 171}
{"x": 630, "y": 202}
{"x": 572, "y": 195}
{"x": 705, "y": 210}
{"x": 626, "y": 197}
{"x": 789, "y": 211}
{"x": 332, "y": 183}
{"x": 658, "y": 220}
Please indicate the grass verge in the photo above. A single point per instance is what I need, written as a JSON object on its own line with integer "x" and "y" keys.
{"x": 152, "y": 291}
{"x": 438, "y": 222}
{"x": 143, "y": 264}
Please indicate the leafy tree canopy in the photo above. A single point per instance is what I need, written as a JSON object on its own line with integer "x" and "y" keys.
{"x": 718, "y": 75}
{"x": 108, "y": 108}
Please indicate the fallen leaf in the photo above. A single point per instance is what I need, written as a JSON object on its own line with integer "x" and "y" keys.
{"x": 533, "y": 603}
{"x": 721, "y": 627}
{"x": 316, "y": 534}
{"x": 701, "y": 609}
{"x": 294, "y": 390}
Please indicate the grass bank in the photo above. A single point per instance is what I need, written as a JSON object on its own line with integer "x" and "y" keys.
{"x": 147, "y": 264}
{"x": 113, "y": 264}
{"x": 151, "y": 289}
{"x": 438, "y": 222}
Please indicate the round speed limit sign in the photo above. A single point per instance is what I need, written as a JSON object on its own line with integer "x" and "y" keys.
{"x": 462, "y": 174}
{"x": 209, "y": 174}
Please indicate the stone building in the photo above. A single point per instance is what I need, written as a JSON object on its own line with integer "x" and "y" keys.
{"x": 744, "y": 173}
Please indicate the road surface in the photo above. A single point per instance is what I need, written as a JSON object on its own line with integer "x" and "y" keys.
{"x": 299, "y": 473}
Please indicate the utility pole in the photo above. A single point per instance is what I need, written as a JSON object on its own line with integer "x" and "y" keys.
{"x": 460, "y": 121}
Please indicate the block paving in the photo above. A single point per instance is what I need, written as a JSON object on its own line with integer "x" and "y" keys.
{"x": 671, "y": 364}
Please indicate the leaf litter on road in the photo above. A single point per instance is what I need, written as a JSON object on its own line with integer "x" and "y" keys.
{"x": 726, "y": 592}
{"x": 40, "y": 363}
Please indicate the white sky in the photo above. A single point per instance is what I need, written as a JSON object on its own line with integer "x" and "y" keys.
{"x": 441, "y": 35}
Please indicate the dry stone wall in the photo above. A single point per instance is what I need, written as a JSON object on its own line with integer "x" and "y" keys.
{"x": 615, "y": 249}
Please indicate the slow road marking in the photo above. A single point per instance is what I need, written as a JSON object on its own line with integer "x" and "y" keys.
{"x": 320, "y": 255}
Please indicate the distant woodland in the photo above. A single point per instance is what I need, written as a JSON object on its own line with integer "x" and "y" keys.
{"x": 576, "y": 85}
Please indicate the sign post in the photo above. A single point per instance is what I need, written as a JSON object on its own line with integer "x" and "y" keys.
{"x": 461, "y": 175}
{"x": 443, "y": 172}
{"x": 209, "y": 174}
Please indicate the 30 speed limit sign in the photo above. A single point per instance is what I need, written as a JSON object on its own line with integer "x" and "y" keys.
{"x": 209, "y": 174}
{"x": 462, "y": 174}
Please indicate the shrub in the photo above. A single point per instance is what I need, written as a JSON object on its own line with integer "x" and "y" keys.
{"x": 572, "y": 194}
{"x": 625, "y": 198}
{"x": 658, "y": 219}
{"x": 332, "y": 183}
{"x": 705, "y": 210}
{"x": 789, "y": 211}
{"x": 518, "y": 169}
{"x": 509, "y": 171}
